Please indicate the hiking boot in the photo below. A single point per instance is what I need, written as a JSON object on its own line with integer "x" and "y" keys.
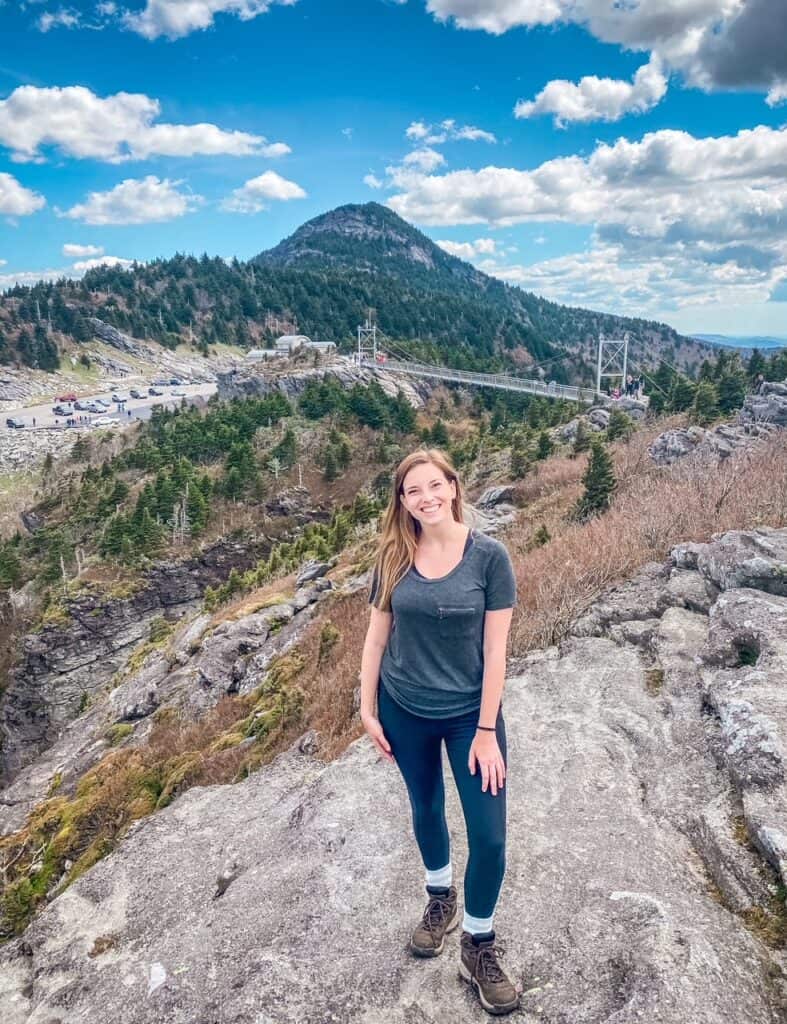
{"x": 479, "y": 965}
{"x": 441, "y": 916}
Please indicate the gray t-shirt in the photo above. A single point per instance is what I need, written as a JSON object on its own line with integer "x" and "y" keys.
{"x": 433, "y": 663}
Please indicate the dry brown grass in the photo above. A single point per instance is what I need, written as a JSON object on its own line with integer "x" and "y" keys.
{"x": 654, "y": 509}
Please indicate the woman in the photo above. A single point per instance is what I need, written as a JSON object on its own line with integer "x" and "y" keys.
{"x": 442, "y": 599}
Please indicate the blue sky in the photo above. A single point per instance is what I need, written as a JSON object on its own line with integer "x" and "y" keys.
{"x": 631, "y": 158}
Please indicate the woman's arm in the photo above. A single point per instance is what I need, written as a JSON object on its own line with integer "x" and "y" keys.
{"x": 484, "y": 750}
{"x": 373, "y": 649}
{"x": 496, "y": 627}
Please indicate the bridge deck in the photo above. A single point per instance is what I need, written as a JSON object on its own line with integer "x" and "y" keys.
{"x": 489, "y": 380}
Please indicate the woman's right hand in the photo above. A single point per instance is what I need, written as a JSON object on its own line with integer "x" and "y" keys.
{"x": 372, "y": 725}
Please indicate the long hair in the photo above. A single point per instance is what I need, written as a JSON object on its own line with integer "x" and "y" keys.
{"x": 400, "y": 531}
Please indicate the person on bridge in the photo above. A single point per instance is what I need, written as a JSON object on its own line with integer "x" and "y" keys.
{"x": 442, "y": 598}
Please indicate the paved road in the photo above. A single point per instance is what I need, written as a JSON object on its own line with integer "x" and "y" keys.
{"x": 140, "y": 408}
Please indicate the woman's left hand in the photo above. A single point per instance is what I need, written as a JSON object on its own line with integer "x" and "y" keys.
{"x": 486, "y": 753}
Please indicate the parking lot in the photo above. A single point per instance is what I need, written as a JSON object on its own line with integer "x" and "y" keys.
{"x": 43, "y": 417}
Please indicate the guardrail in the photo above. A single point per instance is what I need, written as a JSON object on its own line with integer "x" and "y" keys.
{"x": 490, "y": 380}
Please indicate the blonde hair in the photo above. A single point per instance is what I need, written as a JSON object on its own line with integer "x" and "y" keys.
{"x": 400, "y": 531}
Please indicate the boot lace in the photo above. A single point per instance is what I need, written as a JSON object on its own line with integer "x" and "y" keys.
{"x": 437, "y": 911}
{"x": 487, "y": 965}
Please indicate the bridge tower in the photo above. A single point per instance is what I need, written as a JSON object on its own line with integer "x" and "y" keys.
{"x": 367, "y": 339}
{"x": 611, "y": 352}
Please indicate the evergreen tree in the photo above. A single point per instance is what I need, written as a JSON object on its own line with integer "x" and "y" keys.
{"x": 439, "y": 435}
{"x": 599, "y": 482}
{"x": 731, "y": 389}
{"x": 681, "y": 394}
{"x": 544, "y": 447}
{"x": 620, "y": 425}
{"x": 10, "y": 569}
{"x": 581, "y": 437}
{"x": 756, "y": 364}
{"x": 520, "y": 463}
{"x": 706, "y": 403}
{"x": 330, "y": 467}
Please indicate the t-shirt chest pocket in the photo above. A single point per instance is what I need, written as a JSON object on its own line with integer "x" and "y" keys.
{"x": 454, "y": 621}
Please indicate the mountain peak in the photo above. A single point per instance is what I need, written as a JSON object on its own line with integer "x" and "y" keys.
{"x": 365, "y": 236}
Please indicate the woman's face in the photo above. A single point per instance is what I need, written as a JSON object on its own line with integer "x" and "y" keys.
{"x": 427, "y": 494}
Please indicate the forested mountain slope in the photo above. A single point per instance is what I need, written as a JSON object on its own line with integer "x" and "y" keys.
{"x": 322, "y": 281}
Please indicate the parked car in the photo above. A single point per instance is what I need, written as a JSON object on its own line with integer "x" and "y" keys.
{"x": 59, "y": 410}
{"x": 161, "y": 383}
{"x": 93, "y": 407}
{"x": 82, "y": 406}
{"x": 103, "y": 403}
{"x": 120, "y": 399}
{"x": 175, "y": 382}
{"x": 68, "y": 397}
{"x": 13, "y": 423}
{"x": 155, "y": 391}
{"x": 105, "y": 421}
{"x": 179, "y": 392}
{"x": 136, "y": 393}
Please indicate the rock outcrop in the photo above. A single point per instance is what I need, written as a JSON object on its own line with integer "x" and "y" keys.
{"x": 646, "y": 847}
{"x": 70, "y": 659}
{"x": 761, "y": 416}
{"x": 256, "y": 380}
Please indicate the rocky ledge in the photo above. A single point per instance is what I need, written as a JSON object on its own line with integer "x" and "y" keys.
{"x": 264, "y": 380}
{"x": 82, "y": 644}
{"x": 645, "y": 864}
{"x": 761, "y": 416}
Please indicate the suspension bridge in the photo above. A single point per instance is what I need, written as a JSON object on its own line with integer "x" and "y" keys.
{"x": 612, "y": 361}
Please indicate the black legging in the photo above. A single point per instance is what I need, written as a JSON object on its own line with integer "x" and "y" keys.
{"x": 416, "y": 746}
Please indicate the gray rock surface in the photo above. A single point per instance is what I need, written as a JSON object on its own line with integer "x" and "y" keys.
{"x": 65, "y": 664}
{"x": 633, "y": 753}
{"x": 760, "y": 417}
{"x": 265, "y": 380}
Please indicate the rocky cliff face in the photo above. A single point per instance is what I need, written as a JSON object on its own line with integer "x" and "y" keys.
{"x": 647, "y": 846}
{"x": 69, "y": 660}
{"x": 250, "y": 381}
{"x": 761, "y": 416}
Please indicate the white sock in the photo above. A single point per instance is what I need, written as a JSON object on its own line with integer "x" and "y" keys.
{"x": 476, "y": 925}
{"x": 441, "y": 877}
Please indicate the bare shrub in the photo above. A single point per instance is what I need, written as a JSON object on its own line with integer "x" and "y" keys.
{"x": 654, "y": 508}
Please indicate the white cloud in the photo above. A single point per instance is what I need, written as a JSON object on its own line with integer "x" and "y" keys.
{"x": 30, "y": 277}
{"x": 64, "y": 18}
{"x": 109, "y": 261}
{"x": 107, "y": 9}
{"x": 714, "y": 44}
{"x": 15, "y": 199}
{"x": 114, "y": 128}
{"x": 75, "y": 251}
{"x": 598, "y": 99}
{"x": 417, "y": 130}
{"x": 136, "y": 201}
{"x": 607, "y": 277}
{"x": 177, "y": 18}
{"x": 372, "y": 181}
{"x": 678, "y": 213}
{"x": 252, "y": 197}
{"x": 347, "y": 133}
{"x": 469, "y": 250}
{"x": 274, "y": 150}
{"x": 777, "y": 94}
{"x": 446, "y": 131}
{"x": 425, "y": 159}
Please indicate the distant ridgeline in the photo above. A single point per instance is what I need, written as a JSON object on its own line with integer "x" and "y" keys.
{"x": 324, "y": 277}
